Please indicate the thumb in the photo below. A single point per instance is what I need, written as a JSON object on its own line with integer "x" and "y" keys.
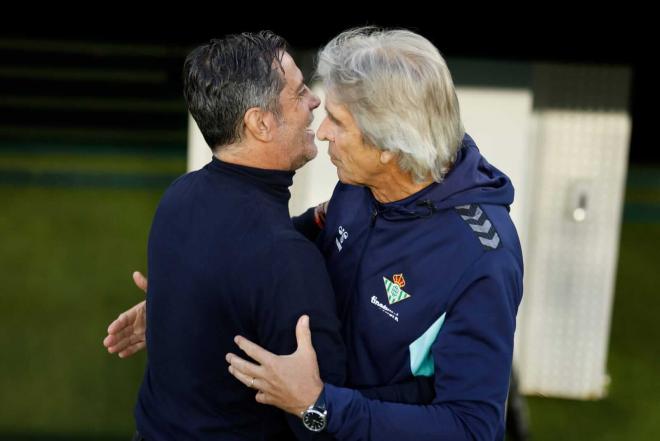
{"x": 140, "y": 281}
{"x": 303, "y": 334}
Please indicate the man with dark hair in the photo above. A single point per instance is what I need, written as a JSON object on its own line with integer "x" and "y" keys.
{"x": 223, "y": 256}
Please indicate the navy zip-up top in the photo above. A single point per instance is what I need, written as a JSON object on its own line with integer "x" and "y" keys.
{"x": 224, "y": 259}
{"x": 428, "y": 286}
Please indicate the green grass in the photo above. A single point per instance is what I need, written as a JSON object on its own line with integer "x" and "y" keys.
{"x": 66, "y": 261}
{"x": 65, "y": 264}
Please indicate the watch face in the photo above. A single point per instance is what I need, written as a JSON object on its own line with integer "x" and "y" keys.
{"x": 314, "y": 420}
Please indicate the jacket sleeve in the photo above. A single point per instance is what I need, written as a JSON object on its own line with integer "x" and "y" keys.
{"x": 306, "y": 225}
{"x": 472, "y": 355}
{"x": 419, "y": 390}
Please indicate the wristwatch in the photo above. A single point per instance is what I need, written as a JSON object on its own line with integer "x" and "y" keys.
{"x": 315, "y": 418}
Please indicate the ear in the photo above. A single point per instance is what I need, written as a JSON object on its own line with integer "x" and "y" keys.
{"x": 260, "y": 124}
{"x": 386, "y": 156}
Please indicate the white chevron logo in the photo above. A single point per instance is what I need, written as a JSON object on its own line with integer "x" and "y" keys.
{"x": 492, "y": 243}
{"x": 474, "y": 216}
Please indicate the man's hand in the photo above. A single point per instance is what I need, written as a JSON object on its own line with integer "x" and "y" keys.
{"x": 126, "y": 335}
{"x": 290, "y": 382}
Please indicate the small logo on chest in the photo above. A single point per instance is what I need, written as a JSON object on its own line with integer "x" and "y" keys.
{"x": 394, "y": 289}
{"x": 342, "y": 235}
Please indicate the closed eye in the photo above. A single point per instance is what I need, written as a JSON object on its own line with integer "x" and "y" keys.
{"x": 332, "y": 118}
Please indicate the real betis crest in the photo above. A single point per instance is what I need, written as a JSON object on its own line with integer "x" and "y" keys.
{"x": 394, "y": 290}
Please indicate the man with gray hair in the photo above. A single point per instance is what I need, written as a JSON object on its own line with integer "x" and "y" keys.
{"x": 425, "y": 261}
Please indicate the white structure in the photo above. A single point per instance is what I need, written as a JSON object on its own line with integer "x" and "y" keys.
{"x": 581, "y": 135}
{"x": 199, "y": 154}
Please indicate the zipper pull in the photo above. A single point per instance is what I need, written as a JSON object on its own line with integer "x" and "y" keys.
{"x": 374, "y": 215}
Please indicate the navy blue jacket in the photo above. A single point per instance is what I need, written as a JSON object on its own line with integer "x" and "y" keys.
{"x": 224, "y": 259}
{"x": 428, "y": 286}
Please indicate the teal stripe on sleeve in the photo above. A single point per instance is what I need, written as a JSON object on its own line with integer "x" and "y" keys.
{"x": 421, "y": 361}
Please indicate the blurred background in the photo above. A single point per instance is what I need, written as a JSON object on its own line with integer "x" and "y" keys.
{"x": 93, "y": 128}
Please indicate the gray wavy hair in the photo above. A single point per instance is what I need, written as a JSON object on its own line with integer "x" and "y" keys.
{"x": 398, "y": 88}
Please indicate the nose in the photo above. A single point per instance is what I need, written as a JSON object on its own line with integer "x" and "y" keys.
{"x": 322, "y": 133}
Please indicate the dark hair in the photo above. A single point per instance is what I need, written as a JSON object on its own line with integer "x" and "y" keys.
{"x": 227, "y": 76}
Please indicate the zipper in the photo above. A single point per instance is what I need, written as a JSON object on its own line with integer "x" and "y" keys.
{"x": 353, "y": 295}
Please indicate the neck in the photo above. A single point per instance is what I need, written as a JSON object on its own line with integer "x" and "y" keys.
{"x": 396, "y": 185}
{"x": 251, "y": 156}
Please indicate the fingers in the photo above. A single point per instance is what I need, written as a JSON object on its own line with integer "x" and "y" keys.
{"x": 126, "y": 334}
{"x": 132, "y": 349}
{"x": 237, "y": 364}
{"x": 247, "y": 380}
{"x": 122, "y": 334}
{"x": 256, "y": 352}
{"x": 140, "y": 281}
{"x": 125, "y": 343}
{"x": 262, "y": 397}
{"x": 109, "y": 341}
{"x": 120, "y": 323}
{"x": 303, "y": 334}
{"x": 125, "y": 347}
{"x": 128, "y": 318}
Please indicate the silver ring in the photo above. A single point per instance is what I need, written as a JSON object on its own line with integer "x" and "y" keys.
{"x": 252, "y": 383}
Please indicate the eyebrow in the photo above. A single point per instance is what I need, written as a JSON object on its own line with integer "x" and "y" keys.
{"x": 332, "y": 117}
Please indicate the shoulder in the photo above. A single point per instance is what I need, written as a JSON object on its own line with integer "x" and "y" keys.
{"x": 290, "y": 248}
{"x": 186, "y": 189}
{"x": 346, "y": 194}
{"x": 487, "y": 228}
